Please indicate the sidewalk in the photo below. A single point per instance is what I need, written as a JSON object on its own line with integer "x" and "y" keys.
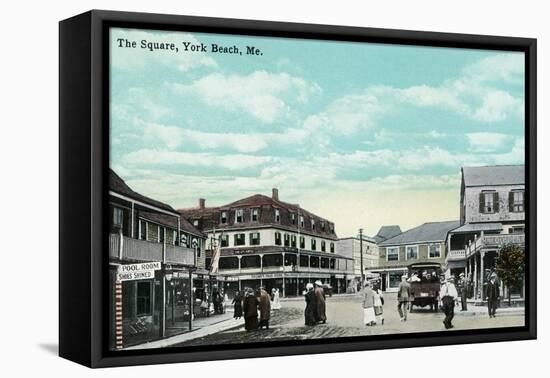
{"x": 201, "y": 327}
{"x": 483, "y": 310}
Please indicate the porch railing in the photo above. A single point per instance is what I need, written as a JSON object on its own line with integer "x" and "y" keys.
{"x": 126, "y": 248}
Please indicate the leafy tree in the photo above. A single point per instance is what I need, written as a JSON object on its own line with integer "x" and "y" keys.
{"x": 510, "y": 266}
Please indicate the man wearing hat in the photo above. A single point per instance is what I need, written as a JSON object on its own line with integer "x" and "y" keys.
{"x": 448, "y": 297}
{"x": 493, "y": 294}
{"x": 463, "y": 292}
{"x": 403, "y": 295}
{"x": 320, "y": 314}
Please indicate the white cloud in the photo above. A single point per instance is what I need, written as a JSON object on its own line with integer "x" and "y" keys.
{"x": 233, "y": 162}
{"x": 509, "y": 67}
{"x": 498, "y": 105}
{"x": 487, "y": 141}
{"x": 135, "y": 59}
{"x": 346, "y": 115}
{"x": 263, "y": 95}
{"x": 173, "y": 137}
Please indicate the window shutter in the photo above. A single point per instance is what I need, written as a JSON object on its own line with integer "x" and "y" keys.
{"x": 496, "y": 204}
{"x": 481, "y": 202}
{"x": 511, "y": 201}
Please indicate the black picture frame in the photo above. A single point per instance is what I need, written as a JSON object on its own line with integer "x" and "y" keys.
{"x": 83, "y": 167}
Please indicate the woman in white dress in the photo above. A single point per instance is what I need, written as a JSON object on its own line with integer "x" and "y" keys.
{"x": 276, "y": 300}
{"x": 368, "y": 305}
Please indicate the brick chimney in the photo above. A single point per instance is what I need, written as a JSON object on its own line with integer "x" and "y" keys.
{"x": 275, "y": 194}
{"x": 202, "y": 202}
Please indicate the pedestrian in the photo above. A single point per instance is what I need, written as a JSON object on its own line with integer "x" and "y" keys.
{"x": 369, "y": 318}
{"x": 379, "y": 305}
{"x": 250, "y": 310}
{"x": 448, "y": 295}
{"x": 311, "y": 305}
{"x": 320, "y": 314}
{"x": 463, "y": 292}
{"x": 403, "y": 295}
{"x": 493, "y": 294}
{"x": 237, "y": 305}
{"x": 217, "y": 300}
{"x": 276, "y": 300}
{"x": 265, "y": 308}
{"x": 272, "y": 294}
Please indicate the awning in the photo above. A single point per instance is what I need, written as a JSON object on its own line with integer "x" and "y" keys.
{"x": 477, "y": 227}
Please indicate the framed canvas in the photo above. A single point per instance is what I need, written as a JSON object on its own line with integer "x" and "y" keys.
{"x": 235, "y": 188}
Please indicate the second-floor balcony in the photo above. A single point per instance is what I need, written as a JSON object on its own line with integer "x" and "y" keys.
{"x": 491, "y": 241}
{"x": 456, "y": 254}
{"x": 124, "y": 248}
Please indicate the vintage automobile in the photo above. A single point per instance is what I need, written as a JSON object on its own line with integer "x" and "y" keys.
{"x": 425, "y": 285}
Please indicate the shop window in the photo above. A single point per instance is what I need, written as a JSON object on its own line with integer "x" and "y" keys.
{"x": 143, "y": 301}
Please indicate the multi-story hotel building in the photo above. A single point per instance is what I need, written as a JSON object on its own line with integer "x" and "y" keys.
{"x": 492, "y": 214}
{"x": 263, "y": 241}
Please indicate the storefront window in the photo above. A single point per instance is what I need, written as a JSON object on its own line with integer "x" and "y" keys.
{"x": 395, "y": 279}
{"x": 143, "y": 302}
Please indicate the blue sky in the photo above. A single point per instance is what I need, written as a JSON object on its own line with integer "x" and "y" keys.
{"x": 362, "y": 134}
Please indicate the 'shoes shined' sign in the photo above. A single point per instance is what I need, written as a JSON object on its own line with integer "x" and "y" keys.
{"x": 143, "y": 271}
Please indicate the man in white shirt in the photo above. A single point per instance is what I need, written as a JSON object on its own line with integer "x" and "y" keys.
{"x": 448, "y": 295}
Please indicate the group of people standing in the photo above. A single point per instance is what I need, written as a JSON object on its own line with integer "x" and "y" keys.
{"x": 251, "y": 304}
{"x": 373, "y": 302}
{"x": 315, "y": 297}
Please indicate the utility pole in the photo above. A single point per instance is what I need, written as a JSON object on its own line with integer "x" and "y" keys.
{"x": 361, "y": 253}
